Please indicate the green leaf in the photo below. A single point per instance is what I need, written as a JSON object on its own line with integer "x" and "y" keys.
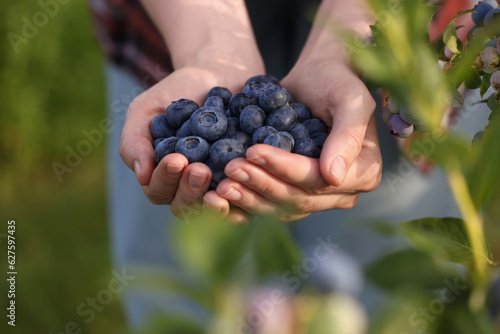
{"x": 473, "y": 79}
{"x": 456, "y": 100}
{"x": 409, "y": 268}
{"x": 445, "y": 238}
{"x": 483, "y": 179}
{"x": 485, "y": 84}
{"x": 377, "y": 36}
{"x": 450, "y": 33}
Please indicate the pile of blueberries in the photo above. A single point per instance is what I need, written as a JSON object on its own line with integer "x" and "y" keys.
{"x": 226, "y": 125}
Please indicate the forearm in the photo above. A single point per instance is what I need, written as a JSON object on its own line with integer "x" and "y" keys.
{"x": 201, "y": 32}
{"x": 333, "y": 18}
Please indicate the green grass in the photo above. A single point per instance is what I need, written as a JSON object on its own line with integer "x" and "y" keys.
{"x": 51, "y": 90}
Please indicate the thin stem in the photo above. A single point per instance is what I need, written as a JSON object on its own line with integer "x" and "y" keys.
{"x": 474, "y": 226}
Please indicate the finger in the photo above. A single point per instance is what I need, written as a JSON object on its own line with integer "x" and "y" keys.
{"x": 213, "y": 202}
{"x": 305, "y": 174}
{"x": 165, "y": 179}
{"x": 245, "y": 198}
{"x": 284, "y": 196}
{"x": 237, "y": 216}
{"x": 136, "y": 147}
{"x": 345, "y": 141}
{"x": 193, "y": 185}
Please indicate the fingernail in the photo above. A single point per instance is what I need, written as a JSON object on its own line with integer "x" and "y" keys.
{"x": 174, "y": 169}
{"x": 197, "y": 180}
{"x": 239, "y": 175}
{"x": 137, "y": 168}
{"x": 257, "y": 159}
{"x": 338, "y": 168}
{"x": 232, "y": 195}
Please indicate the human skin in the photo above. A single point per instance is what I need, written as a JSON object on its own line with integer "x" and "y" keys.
{"x": 350, "y": 163}
{"x": 221, "y": 51}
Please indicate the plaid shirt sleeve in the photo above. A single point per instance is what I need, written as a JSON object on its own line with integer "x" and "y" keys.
{"x": 130, "y": 40}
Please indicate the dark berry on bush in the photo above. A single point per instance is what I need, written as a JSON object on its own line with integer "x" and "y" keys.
{"x": 225, "y": 150}
{"x": 306, "y": 147}
{"x": 165, "y": 147}
{"x": 315, "y": 125}
{"x": 273, "y": 97}
{"x": 208, "y": 123}
{"x": 238, "y": 102}
{"x": 261, "y": 133}
{"x": 303, "y": 113}
{"x": 299, "y": 131}
{"x": 252, "y": 118}
{"x": 481, "y": 9}
{"x": 282, "y": 119}
{"x": 160, "y": 128}
{"x": 221, "y": 92}
{"x": 399, "y": 127}
{"x": 180, "y": 111}
{"x": 195, "y": 149}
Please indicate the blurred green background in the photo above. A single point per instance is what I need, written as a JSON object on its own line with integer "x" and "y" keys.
{"x": 51, "y": 90}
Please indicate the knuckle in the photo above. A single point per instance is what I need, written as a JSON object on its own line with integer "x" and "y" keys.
{"x": 374, "y": 176}
{"x": 354, "y": 139}
{"x": 305, "y": 204}
{"x": 348, "y": 203}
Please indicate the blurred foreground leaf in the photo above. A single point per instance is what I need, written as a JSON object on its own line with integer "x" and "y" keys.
{"x": 445, "y": 238}
{"x": 408, "y": 268}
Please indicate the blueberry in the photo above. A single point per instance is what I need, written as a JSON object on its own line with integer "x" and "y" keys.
{"x": 157, "y": 141}
{"x": 481, "y": 9}
{"x": 399, "y": 127}
{"x": 217, "y": 175}
{"x": 208, "y": 123}
{"x": 299, "y": 131}
{"x": 281, "y": 140}
{"x": 495, "y": 81}
{"x": 273, "y": 97}
{"x": 160, "y": 128}
{"x": 303, "y": 113}
{"x": 255, "y": 89}
{"x": 252, "y": 118}
{"x": 319, "y": 138}
{"x": 165, "y": 147}
{"x": 492, "y": 18}
{"x": 225, "y": 150}
{"x": 241, "y": 137}
{"x": 315, "y": 125}
{"x": 195, "y": 149}
{"x": 184, "y": 130}
{"x": 266, "y": 78}
{"x": 221, "y": 92}
{"x": 238, "y": 102}
{"x": 233, "y": 125}
{"x": 261, "y": 133}
{"x": 385, "y": 114}
{"x": 227, "y": 112}
{"x": 409, "y": 116}
{"x": 180, "y": 111}
{"x": 215, "y": 102}
{"x": 306, "y": 147}
{"x": 282, "y": 119}
{"x": 477, "y": 138}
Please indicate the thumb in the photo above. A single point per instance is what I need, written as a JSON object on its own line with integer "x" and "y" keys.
{"x": 345, "y": 141}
